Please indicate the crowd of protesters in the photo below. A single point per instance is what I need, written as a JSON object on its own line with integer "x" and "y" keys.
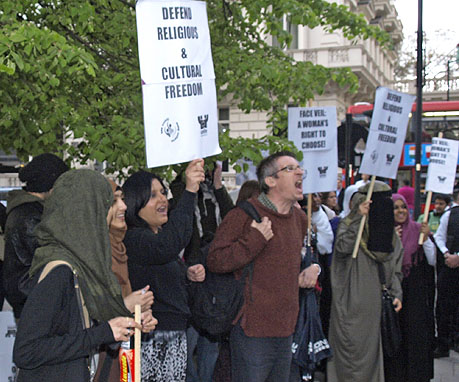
{"x": 82, "y": 251}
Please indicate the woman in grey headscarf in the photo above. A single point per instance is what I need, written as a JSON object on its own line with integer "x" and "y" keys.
{"x": 355, "y": 323}
{"x": 58, "y": 332}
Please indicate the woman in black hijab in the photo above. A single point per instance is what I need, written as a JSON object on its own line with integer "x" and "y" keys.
{"x": 60, "y": 328}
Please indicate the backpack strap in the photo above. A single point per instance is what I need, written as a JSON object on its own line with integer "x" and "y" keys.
{"x": 81, "y": 304}
{"x": 250, "y": 210}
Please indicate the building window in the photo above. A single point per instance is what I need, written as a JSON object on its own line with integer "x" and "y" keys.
{"x": 293, "y": 30}
{"x": 223, "y": 119}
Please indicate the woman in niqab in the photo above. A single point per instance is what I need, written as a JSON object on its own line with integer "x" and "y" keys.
{"x": 355, "y": 322}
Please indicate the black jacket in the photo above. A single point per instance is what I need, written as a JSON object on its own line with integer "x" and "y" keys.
{"x": 207, "y": 211}
{"x": 153, "y": 259}
{"x": 23, "y": 214}
{"x": 51, "y": 344}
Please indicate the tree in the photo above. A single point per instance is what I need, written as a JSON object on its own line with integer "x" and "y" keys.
{"x": 69, "y": 69}
{"x": 435, "y": 59}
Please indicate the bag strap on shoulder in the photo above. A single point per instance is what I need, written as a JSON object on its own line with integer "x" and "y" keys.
{"x": 81, "y": 304}
{"x": 250, "y": 210}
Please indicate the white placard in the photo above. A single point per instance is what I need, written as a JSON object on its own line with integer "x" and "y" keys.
{"x": 387, "y": 133}
{"x": 8, "y": 371}
{"x": 178, "y": 81}
{"x": 313, "y": 130}
{"x": 441, "y": 173}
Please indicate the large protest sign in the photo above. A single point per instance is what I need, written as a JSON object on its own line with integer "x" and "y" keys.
{"x": 387, "y": 133}
{"x": 441, "y": 173}
{"x": 313, "y": 131}
{"x": 178, "y": 81}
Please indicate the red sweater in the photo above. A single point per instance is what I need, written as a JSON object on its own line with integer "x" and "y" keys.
{"x": 273, "y": 309}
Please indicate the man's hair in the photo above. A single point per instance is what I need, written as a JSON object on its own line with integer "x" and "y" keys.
{"x": 268, "y": 166}
{"x": 446, "y": 198}
{"x": 406, "y": 182}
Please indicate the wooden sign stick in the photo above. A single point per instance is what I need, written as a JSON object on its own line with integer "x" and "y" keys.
{"x": 309, "y": 219}
{"x": 427, "y": 208}
{"x": 425, "y": 219}
{"x": 137, "y": 337}
{"x": 362, "y": 221}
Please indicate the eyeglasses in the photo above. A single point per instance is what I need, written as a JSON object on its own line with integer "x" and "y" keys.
{"x": 288, "y": 168}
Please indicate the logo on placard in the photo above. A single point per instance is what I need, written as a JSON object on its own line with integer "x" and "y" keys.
{"x": 202, "y": 119}
{"x": 322, "y": 171}
{"x": 442, "y": 179}
{"x": 374, "y": 156}
{"x": 170, "y": 129}
{"x": 389, "y": 158}
{"x": 305, "y": 174}
{"x": 10, "y": 331}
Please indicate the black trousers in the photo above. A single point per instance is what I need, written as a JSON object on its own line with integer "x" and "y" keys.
{"x": 447, "y": 310}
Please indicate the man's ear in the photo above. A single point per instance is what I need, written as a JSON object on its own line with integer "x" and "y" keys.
{"x": 270, "y": 181}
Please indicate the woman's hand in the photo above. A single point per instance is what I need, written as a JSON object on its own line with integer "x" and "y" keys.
{"x": 397, "y": 304}
{"x": 123, "y": 328}
{"x": 398, "y": 231}
{"x": 194, "y": 175}
{"x": 143, "y": 297}
{"x": 364, "y": 208}
{"x": 148, "y": 321}
{"x": 196, "y": 273}
{"x": 425, "y": 229}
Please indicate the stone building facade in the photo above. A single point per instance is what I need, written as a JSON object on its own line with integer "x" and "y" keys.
{"x": 373, "y": 66}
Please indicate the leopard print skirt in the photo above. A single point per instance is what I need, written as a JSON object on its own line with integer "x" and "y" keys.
{"x": 164, "y": 356}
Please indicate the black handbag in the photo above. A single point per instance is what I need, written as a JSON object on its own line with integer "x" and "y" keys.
{"x": 391, "y": 334}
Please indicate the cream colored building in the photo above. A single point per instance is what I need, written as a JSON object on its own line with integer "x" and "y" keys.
{"x": 373, "y": 66}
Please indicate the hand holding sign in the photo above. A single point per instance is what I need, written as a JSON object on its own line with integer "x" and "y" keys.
{"x": 194, "y": 174}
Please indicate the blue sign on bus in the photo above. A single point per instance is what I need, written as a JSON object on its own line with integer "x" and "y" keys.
{"x": 409, "y": 152}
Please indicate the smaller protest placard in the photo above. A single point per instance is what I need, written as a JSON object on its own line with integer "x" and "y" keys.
{"x": 313, "y": 130}
{"x": 441, "y": 173}
{"x": 7, "y": 336}
{"x": 387, "y": 133}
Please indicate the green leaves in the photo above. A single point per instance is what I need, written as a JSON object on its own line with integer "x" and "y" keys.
{"x": 69, "y": 69}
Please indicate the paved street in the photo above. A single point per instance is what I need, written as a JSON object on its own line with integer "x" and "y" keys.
{"x": 447, "y": 369}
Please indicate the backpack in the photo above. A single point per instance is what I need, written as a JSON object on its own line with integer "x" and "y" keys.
{"x": 215, "y": 302}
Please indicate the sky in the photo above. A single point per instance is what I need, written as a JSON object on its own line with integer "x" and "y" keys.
{"x": 438, "y": 15}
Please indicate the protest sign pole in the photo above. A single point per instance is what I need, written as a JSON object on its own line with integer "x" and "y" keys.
{"x": 364, "y": 218}
{"x": 137, "y": 336}
{"x": 426, "y": 215}
{"x": 427, "y": 207}
{"x": 309, "y": 218}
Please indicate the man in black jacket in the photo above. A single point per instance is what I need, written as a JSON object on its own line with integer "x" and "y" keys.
{"x": 212, "y": 205}
{"x": 24, "y": 210}
{"x": 447, "y": 309}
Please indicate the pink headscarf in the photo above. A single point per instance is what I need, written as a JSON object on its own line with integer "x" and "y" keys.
{"x": 410, "y": 236}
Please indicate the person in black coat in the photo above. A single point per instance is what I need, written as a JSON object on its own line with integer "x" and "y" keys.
{"x": 24, "y": 210}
